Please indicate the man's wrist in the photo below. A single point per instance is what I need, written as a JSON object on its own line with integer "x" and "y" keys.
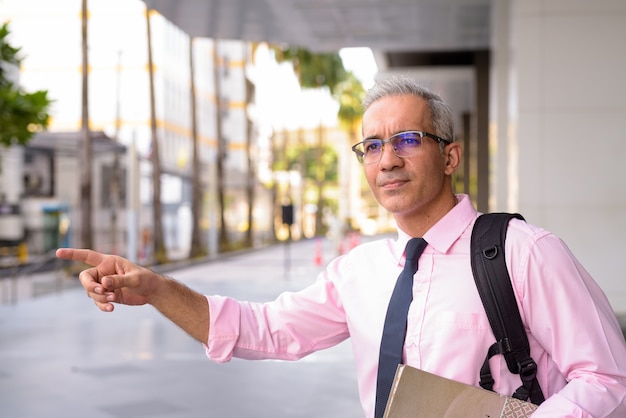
{"x": 162, "y": 288}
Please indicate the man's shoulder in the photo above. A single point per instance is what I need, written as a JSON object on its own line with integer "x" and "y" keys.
{"x": 519, "y": 229}
{"x": 526, "y": 241}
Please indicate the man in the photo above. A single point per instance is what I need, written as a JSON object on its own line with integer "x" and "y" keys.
{"x": 409, "y": 156}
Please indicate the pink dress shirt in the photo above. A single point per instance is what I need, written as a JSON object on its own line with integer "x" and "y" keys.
{"x": 574, "y": 335}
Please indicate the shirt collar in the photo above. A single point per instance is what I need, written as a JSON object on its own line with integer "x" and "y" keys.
{"x": 447, "y": 230}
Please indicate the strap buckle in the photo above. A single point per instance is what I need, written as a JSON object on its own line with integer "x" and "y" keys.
{"x": 527, "y": 369}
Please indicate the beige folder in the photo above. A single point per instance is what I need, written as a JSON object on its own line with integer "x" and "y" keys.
{"x": 416, "y": 393}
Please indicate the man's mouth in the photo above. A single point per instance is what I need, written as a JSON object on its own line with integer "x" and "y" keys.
{"x": 391, "y": 183}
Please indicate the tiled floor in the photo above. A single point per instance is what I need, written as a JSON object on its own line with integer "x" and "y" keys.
{"x": 61, "y": 357}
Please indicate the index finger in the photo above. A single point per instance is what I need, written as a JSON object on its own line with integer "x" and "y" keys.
{"x": 93, "y": 258}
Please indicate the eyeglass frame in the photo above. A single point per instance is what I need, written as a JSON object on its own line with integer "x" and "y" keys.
{"x": 360, "y": 155}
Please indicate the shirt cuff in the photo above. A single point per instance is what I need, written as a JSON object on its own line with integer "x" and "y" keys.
{"x": 223, "y": 328}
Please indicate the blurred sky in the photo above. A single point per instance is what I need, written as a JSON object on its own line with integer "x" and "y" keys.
{"x": 361, "y": 62}
{"x": 282, "y": 104}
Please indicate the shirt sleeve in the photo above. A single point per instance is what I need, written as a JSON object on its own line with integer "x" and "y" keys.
{"x": 571, "y": 318}
{"x": 289, "y": 328}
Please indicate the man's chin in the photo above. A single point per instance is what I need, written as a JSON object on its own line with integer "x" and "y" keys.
{"x": 394, "y": 206}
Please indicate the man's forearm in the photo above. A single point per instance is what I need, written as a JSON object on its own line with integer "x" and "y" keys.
{"x": 183, "y": 306}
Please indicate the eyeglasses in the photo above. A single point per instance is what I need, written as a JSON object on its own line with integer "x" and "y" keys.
{"x": 404, "y": 144}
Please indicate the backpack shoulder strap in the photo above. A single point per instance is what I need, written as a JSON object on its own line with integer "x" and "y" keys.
{"x": 496, "y": 292}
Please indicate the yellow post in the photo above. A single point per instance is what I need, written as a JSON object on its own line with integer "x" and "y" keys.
{"x": 22, "y": 253}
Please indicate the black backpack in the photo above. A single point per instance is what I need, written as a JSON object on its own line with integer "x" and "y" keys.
{"x": 496, "y": 292}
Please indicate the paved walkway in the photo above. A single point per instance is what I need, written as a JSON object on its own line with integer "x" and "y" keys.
{"x": 60, "y": 356}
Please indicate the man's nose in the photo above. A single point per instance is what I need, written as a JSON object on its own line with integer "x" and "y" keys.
{"x": 388, "y": 157}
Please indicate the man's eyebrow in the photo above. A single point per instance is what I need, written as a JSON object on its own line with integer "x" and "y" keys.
{"x": 372, "y": 137}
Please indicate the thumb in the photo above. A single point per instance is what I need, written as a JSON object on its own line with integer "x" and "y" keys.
{"x": 116, "y": 281}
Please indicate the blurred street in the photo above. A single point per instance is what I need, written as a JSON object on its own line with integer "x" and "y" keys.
{"x": 61, "y": 356}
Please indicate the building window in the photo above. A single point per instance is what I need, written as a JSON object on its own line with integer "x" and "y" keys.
{"x": 226, "y": 67}
{"x": 108, "y": 185}
{"x": 38, "y": 173}
{"x": 224, "y": 107}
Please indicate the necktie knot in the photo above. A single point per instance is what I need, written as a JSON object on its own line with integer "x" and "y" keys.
{"x": 415, "y": 248}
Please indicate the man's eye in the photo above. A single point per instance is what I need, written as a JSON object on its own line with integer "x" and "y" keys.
{"x": 409, "y": 140}
{"x": 372, "y": 146}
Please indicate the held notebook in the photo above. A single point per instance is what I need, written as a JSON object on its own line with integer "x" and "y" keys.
{"x": 416, "y": 393}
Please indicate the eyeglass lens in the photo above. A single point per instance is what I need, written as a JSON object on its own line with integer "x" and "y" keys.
{"x": 404, "y": 144}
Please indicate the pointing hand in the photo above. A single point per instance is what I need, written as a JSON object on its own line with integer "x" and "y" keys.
{"x": 112, "y": 279}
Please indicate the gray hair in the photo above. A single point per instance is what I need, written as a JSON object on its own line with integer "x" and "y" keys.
{"x": 441, "y": 114}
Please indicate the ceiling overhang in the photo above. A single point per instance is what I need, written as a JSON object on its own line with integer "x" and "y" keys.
{"x": 329, "y": 25}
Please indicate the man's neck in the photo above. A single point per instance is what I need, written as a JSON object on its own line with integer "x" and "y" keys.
{"x": 418, "y": 222}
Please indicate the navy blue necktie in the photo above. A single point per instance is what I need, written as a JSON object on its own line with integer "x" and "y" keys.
{"x": 394, "y": 330}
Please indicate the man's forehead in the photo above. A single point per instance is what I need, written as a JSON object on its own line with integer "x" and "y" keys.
{"x": 395, "y": 114}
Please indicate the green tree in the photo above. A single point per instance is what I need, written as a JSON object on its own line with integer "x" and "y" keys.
{"x": 349, "y": 94}
{"x": 317, "y": 70}
{"x": 22, "y": 114}
{"x": 307, "y": 156}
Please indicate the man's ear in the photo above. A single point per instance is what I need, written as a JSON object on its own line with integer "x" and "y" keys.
{"x": 452, "y": 154}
